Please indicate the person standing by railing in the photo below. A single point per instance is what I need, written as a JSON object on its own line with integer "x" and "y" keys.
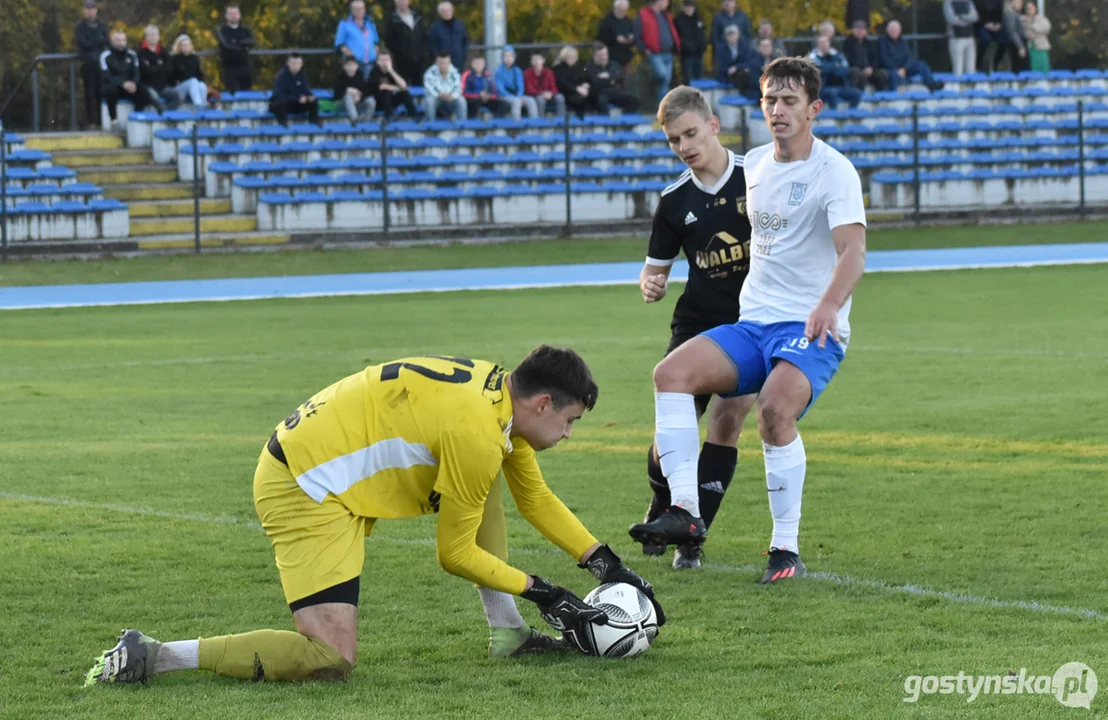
{"x": 1036, "y": 28}
{"x": 92, "y": 39}
{"x": 235, "y": 41}
{"x": 357, "y": 37}
{"x": 961, "y": 17}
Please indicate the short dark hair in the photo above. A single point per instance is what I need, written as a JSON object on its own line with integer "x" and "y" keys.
{"x": 443, "y": 54}
{"x": 794, "y": 72}
{"x": 561, "y": 372}
{"x": 294, "y": 55}
{"x": 598, "y": 46}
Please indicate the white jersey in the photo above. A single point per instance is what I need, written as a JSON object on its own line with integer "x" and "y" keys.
{"x": 792, "y": 209}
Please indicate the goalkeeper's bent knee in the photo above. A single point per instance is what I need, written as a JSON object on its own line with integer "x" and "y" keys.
{"x": 273, "y": 655}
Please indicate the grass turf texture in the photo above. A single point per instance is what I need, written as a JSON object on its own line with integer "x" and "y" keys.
{"x": 961, "y": 449}
{"x": 539, "y": 252}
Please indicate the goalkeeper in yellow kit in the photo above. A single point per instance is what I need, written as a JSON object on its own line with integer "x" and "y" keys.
{"x": 406, "y": 438}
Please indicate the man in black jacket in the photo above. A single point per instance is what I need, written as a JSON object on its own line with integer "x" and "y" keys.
{"x": 990, "y": 33}
{"x": 617, "y": 32}
{"x": 690, "y": 29}
{"x": 292, "y": 93}
{"x": 235, "y": 41}
{"x": 155, "y": 66}
{"x": 406, "y": 39}
{"x": 120, "y": 77}
{"x": 92, "y": 39}
{"x": 606, "y": 79}
{"x": 864, "y": 58}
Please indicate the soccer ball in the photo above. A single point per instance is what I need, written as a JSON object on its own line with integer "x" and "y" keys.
{"x": 632, "y": 622}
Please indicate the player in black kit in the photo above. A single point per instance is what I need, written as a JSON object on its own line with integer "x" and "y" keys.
{"x": 703, "y": 213}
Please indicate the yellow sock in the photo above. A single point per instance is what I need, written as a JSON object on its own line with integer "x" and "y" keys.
{"x": 272, "y": 655}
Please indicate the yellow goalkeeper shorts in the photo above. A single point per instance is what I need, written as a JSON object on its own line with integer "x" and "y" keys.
{"x": 318, "y": 545}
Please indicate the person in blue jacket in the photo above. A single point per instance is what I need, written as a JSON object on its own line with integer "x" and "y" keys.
{"x": 479, "y": 89}
{"x": 357, "y": 37}
{"x": 834, "y": 72}
{"x": 292, "y": 92}
{"x": 448, "y": 35}
{"x": 766, "y": 53}
{"x": 897, "y": 58}
{"x": 732, "y": 57}
{"x": 509, "y": 83}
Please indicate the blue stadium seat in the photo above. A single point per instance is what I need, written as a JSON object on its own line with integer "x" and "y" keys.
{"x": 54, "y": 173}
{"x": 1060, "y": 75}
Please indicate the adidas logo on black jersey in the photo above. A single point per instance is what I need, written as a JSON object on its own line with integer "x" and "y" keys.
{"x": 690, "y": 218}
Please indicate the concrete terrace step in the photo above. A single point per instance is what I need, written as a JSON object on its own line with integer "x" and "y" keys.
{"x": 59, "y": 142}
{"x": 104, "y": 158}
{"x": 178, "y": 208}
{"x": 122, "y": 174}
{"x": 183, "y": 241}
{"x": 208, "y": 224}
{"x": 133, "y": 192}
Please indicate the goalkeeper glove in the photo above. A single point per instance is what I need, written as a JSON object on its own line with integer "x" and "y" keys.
{"x": 608, "y": 568}
{"x": 565, "y": 612}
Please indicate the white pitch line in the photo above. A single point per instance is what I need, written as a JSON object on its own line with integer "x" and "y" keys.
{"x": 880, "y": 585}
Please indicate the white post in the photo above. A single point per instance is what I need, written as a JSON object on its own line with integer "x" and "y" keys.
{"x": 496, "y": 32}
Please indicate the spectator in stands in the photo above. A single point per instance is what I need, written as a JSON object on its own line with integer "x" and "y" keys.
{"x": 155, "y": 67}
{"x": 352, "y": 91}
{"x": 733, "y": 59}
{"x": 657, "y": 40}
{"x": 990, "y": 34}
{"x": 91, "y": 37}
{"x": 961, "y": 17}
{"x": 834, "y": 75}
{"x": 897, "y": 58}
{"x": 729, "y": 14}
{"x": 1013, "y": 28}
{"x": 617, "y": 32}
{"x": 448, "y": 35}
{"x": 357, "y": 37}
{"x": 1036, "y": 28}
{"x": 388, "y": 88}
{"x": 857, "y": 11}
{"x": 605, "y": 77}
{"x": 690, "y": 33}
{"x": 574, "y": 84}
{"x": 406, "y": 39}
{"x": 864, "y": 60}
{"x": 510, "y": 86}
{"x": 235, "y": 41}
{"x": 187, "y": 77}
{"x": 539, "y": 82}
{"x": 442, "y": 89}
{"x": 827, "y": 28}
{"x": 292, "y": 92}
{"x": 766, "y": 53}
{"x": 120, "y": 78}
{"x": 479, "y": 90}
{"x": 765, "y": 30}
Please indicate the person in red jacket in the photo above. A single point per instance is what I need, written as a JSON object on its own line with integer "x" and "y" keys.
{"x": 657, "y": 38}
{"x": 539, "y": 83}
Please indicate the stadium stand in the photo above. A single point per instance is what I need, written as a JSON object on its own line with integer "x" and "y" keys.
{"x": 990, "y": 140}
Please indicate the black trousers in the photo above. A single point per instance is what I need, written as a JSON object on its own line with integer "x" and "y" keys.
{"x": 581, "y": 104}
{"x": 283, "y": 109}
{"x": 238, "y": 78}
{"x": 90, "y": 78}
{"x": 498, "y": 107}
{"x": 620, "y": 98}
{"x": 140, "y": 98}
{"x": 879, "y": 78}
{"x": 387, "y": 102}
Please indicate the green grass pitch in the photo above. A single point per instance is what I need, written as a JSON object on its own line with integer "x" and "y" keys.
{"x": 957, "y": 458}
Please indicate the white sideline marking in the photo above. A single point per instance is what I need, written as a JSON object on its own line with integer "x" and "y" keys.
{"x": 912, "y": 590}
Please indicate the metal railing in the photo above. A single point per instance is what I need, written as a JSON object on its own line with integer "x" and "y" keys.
{"x": 72, "y": 60}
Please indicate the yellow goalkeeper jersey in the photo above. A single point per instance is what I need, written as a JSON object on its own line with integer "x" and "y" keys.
{"x": 423, "y": 435}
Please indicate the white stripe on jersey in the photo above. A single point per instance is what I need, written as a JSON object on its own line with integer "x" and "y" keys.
{"x": 338, "y": 475}
{"x": 684, "y": 178}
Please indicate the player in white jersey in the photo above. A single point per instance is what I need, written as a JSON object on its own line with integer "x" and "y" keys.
{"x": 808, "y": 248}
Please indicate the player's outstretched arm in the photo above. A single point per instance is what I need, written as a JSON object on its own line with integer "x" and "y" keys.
{"x": 850, "y": 244}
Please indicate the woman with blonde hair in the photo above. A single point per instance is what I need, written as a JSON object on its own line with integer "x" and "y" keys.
{"x": 186, "y": 75}
{"x": 1036, "y": 28}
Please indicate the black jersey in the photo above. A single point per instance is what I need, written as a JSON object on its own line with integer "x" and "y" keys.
{"x": 711, "y": 226}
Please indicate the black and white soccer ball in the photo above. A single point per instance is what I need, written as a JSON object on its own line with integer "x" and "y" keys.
{"x": 632, "y": 622}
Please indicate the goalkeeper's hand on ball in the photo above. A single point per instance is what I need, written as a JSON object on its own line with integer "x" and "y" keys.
{"x": 565, "y": 612}
{"x": 608, "y": 568}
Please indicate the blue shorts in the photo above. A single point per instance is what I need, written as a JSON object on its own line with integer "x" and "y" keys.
{"x": 755, "y": 348}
